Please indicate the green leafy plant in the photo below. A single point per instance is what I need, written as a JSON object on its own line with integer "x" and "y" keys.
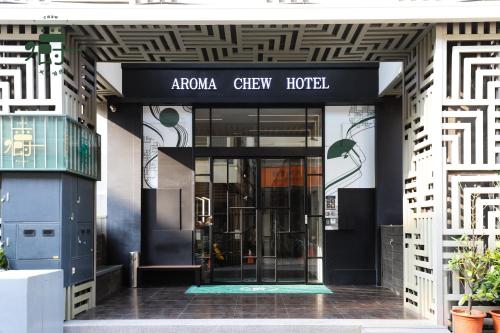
{"x": 4, "y": 264}
{"x": 478, "y": 268}
{"x": 472, "y": 264}
{"x": 490, "y": 288}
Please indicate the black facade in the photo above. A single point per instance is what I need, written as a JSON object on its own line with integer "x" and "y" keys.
{"x": 223, "y": 87}
{"x": 319, "y": 85}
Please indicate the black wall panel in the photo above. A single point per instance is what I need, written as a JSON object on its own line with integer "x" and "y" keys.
{"x": 164, "y": 242}
{"x": 391, "y": 249}
{"x": 350, "y": 253}
{"x": 388, "y": 170}
{"x": 167, "y": 212}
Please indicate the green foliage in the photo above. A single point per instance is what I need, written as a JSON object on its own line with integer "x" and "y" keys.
{"x": 472, "y": 265}
{"x": 490, "y": 288}
{"x": 3, "y": 260}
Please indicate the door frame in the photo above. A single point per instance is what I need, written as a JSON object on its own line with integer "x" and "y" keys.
{"x": 258, "y": 209}
{"x": 265, "y": 152}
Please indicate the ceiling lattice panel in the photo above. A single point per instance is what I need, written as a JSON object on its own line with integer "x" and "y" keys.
{"x": 249, "y": 43}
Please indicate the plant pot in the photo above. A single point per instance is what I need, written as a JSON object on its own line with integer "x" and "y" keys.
{"x": 465, "y": 323}
{"x": 495, "y": 315}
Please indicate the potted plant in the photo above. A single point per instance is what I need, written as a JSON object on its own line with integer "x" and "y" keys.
{"x": 472, "y": 264}
{"x": 491, "y": 286}
{"x": 4, "y": 264}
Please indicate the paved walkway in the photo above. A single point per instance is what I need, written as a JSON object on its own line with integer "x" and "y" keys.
{"x": 171, "y": 303}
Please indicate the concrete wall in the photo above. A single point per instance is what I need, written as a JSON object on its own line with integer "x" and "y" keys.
{"x": 31, "y": 301}
{"x": 124, "y": 183}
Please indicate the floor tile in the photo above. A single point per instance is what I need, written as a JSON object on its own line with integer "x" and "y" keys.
{"x": 364, "y": 302}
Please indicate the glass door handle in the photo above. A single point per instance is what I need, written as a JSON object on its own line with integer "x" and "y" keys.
{"x": 305, "y": 219}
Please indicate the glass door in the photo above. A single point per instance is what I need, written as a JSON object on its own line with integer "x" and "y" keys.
{"x": 234, "y": 230}
{"x": 261, "y": 209}
{"x": 283, "y": 229}
{"x": 265, "y": 221}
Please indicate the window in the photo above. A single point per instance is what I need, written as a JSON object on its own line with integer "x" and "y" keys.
{"x": 259, "y": 127}
{"x": 282, "y": 127}
{"x": 234, "y": 127}
{"x": 314, "y": 127}
{"x": 202, "y": 127}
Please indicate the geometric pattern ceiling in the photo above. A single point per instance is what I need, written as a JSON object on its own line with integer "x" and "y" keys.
{"x": 249, "y": 43}
{"x": 104, "y": 89}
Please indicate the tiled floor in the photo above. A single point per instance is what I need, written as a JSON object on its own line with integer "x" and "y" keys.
{"x": 171, "y": 302}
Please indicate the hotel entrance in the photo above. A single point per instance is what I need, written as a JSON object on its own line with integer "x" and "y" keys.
{"x": 260, "y": 218}
{"x": 246, "y": 182}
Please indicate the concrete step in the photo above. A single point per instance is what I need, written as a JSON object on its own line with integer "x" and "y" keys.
{"x": 251, "y": 326}
{"x": 406, "y": 330}
{"x": 401, "y": 326}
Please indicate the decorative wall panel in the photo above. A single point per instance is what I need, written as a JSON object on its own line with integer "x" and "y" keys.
{"x": 451, "y": 157}
{"x": 34, "y": 79}
{"x": 163, "y": 126}
{"x": 79, "y": 99}
{"x": 249, "y": 43}
{"x": 419, "y": 214}
{"x": 26, "y": 84}
{"x": 471, "y": 139}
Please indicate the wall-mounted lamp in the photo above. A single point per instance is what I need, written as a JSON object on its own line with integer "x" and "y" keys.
{"x": 112, "y": 108}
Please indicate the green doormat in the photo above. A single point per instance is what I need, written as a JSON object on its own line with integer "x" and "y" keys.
{"x": 260, "y": 289}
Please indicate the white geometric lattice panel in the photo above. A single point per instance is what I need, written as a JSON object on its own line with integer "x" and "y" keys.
{"x": 26, "y": 84}
{"x": 418, "y": 160}
{"x": 79, "y": 83}
{"x": 30, "y": 83}
{"x": 471, "y": 139}
{"x": 468, "y": 104}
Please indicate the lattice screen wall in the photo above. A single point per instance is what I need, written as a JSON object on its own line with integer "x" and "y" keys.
{"x": 419, "y": 206}
{"x": 471, "y": 137}
{"x": 451, "y": 152}
{"x": 33, "y": 86}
